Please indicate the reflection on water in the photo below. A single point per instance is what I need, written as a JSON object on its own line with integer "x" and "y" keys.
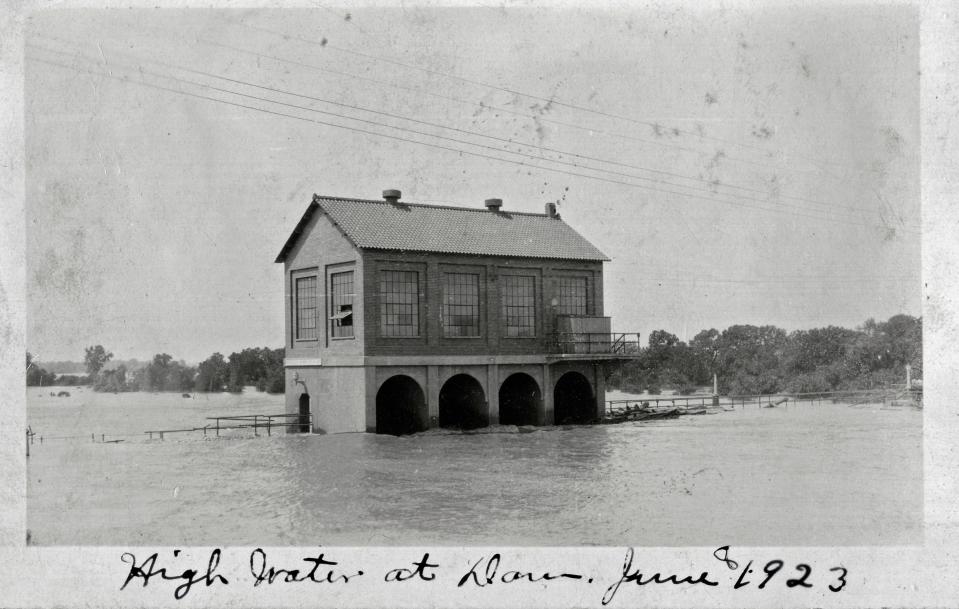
{"x": 807, "y": 475}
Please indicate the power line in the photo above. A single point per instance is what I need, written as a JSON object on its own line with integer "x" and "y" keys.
{"x": 482, "y": 105}
{"x": 811, "y": 280}
{"x": 830, "y": 206}
{"x": 523, "y": 114}
{"x": 549, "y": 100}
{"x": 460, "y": 151}
{"x": 525, "y": 155}
{"x": 429, "y": 144}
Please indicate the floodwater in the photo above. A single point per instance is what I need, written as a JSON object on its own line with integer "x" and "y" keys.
{"x": 829, "y": 474}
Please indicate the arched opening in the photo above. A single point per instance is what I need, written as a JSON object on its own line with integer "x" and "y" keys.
{"x": 573, "y": 400}
{"x": 463, "y": 403}
{"x": 400, "y": 407}
{"x": 304, "y": 422}
{"x": 519, "y": 400}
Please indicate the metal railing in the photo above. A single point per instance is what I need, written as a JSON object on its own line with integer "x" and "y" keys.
{"x": 261, "y": 421}
{"x": 616, "y": 343}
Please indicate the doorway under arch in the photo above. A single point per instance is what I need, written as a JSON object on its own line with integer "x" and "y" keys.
{"x": 304, "y": 422}
{"x": 519, "y": 400}
{"x": 573, "y": 400}
{"x": 463, "y": 403}
{"x": 400, "y": 407}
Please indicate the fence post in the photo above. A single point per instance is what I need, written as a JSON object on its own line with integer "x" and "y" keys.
{"x": 218, "y": 427}
{"x": 269, "y": 422}
{"x": 256, "y": 418}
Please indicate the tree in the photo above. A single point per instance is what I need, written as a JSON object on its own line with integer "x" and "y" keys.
{"x": 765, "y": 359}
{"x": 95, "y": 358}
{"x": 37, "y": 376}
{"x": 112, "y": 380}
{"x": 212, "y": 373}
{"x": 158, "y": 371}
{"x": 705, "y": 354}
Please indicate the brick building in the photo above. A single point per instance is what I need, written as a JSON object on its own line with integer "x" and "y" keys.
{"x": 404, "y": 316}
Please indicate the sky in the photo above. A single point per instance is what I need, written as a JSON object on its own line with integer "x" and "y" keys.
{"x": 740, "y": 165}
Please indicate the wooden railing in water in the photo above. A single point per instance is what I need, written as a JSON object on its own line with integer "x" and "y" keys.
{"x": 768, "y": 399}
{"x": 249, "y": 421}
{"x": 256, "y": 422}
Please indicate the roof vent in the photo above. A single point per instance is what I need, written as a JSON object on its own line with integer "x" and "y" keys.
{"x": 551, "y": 210}
{"x": 391, "y": 195}
{"x": 494, "y": 204}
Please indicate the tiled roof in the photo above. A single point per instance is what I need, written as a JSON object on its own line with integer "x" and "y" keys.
{"x": 417, "y": 227}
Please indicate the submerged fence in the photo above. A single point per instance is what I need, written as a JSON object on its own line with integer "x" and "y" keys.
{"x": 853, "y": 396}
{"x": 256, "y": 422}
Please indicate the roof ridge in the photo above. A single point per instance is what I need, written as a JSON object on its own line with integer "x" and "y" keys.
{"x": 430, "y": 205}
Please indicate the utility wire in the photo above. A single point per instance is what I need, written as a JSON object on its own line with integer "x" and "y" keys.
{"x": 525, "y": 155}
{"x": 484, "y": 106}
{"x": 524, "y": 114}
{"x": 779, "y": 282}
{"x": 528, "y": 115}
{"x": 551, "y": 100}
{"x": 510, "y": 141}
{"x": 432, "y": 145}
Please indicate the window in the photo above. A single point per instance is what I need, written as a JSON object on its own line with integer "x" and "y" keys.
{"x": 399, "y": 303}
{"x": 519, "y": 305}
{"x": 572, "y": 296}
{"x": 341, "y": 305}
{"x": 461, "y": 305}
{"x": 306, "y": 308}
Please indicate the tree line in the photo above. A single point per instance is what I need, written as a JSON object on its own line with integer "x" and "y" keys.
{"x": 261, "y": 367}
{"x": 751, "y": 360}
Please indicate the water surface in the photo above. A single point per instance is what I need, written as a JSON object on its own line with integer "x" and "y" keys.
{"x": 804, "y": 475}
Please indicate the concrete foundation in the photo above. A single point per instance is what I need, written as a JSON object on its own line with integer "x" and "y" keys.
{"x": 403, "y": 397}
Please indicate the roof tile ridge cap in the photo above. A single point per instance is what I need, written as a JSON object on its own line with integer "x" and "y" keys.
{"x": 433, "y": 206}
{"x": 482, "y": 210}
{"x": 317, "y": 198}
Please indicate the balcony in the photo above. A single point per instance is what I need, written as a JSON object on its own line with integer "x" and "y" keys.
{"x": 577, "y": 336}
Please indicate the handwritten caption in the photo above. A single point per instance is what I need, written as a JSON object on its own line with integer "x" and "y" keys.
{"x": 487, "y": 571}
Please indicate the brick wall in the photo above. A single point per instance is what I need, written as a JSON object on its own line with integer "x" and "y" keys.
{"x": 321, "y": 251}
{"x": 491, "y": 269}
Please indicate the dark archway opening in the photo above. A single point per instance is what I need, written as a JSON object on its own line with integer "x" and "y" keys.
{"x": 573, "y": 400}
{"x": 304, "y": 422}
{"x": 400, "y": 407}
{"x": 463, "y": 403}
{"x": 519, "y": 400}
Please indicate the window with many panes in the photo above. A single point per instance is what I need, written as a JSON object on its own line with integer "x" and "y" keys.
{"x": 572, "y": 296}
{"x": 519, "y": 305}
{"x": 306, "y": 308}
{"x": 461, "y": 312}
{"x": 341, "y": 305}
{"x": 399, "y": 303}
